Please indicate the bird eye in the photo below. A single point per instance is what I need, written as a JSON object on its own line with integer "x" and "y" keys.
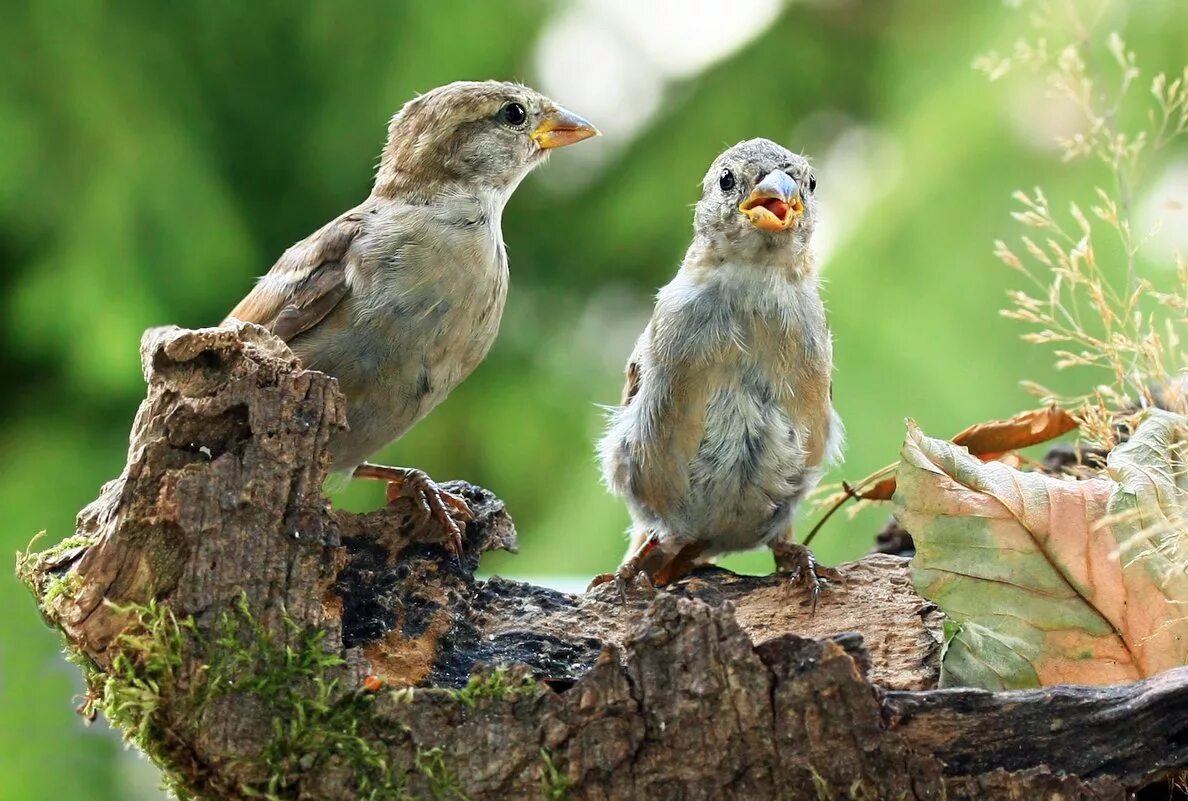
{"x": 812, "y": 183}
{"x": 726, "y": 180}
{"x": 513, "y": 114}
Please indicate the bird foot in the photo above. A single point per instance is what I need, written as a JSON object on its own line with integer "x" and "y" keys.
{"x": 436, "y": 504}
{"x": 625, "y": 580}
{"x": 798, "y": 562}
{"x": 599, "y": 580}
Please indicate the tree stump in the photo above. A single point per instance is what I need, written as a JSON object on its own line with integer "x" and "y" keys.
{"x": 257, "y": 643}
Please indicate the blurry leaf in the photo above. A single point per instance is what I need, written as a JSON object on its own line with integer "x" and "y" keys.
{"x": 1049, "y": 580}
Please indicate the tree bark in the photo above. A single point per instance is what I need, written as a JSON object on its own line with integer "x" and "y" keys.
{"x": 256, "y": 642}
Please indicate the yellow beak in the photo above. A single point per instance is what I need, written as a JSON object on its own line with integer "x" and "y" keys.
{"x": 775, "y": 204}
{"x": 560, "y": 128}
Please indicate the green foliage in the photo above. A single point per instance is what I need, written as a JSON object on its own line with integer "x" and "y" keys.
{"x": 443, "y": 782}
{"x": 62, "y": 586}
{"x": 821, "y": 785}
{"x": 36, "y": 571}
{"x": 1094, "y": 307}
{"x": 148, "y": 656}
{"x": 859, "y": 791}
{"x": 316, "y": 723}
{"x": 554, "y": 782}
{"x": 1030, "y": 568}
{"x": 245, "y": 658}
{"x": 498, "y": 683}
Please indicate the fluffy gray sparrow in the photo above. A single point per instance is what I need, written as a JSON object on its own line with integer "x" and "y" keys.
{"x": 400, "y": 298}
{"x": 727, "y": 418}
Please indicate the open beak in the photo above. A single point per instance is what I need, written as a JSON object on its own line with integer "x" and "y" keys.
{"x": 560, "y": 128}
{"x": 775, "y": 204}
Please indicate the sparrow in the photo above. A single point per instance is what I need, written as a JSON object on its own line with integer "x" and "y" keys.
{"x": 727, "y": 418}
{"x": 400, "y": 298}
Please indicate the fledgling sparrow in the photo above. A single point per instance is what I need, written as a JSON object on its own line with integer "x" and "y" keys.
{"x": 400, "y": 298}
{"x": 727, "y": 419}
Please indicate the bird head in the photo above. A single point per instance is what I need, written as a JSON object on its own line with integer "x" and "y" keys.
{"x": 757, "y": 196}
{"x": 480, "y": 134}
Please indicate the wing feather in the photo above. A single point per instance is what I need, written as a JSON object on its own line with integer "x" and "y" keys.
{"x": 631, "y": 388}
{"x": 305, "y": 284}
{"x": 669, "y": 389}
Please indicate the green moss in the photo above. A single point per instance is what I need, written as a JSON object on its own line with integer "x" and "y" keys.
{"x": 62, "y": 586}
{"x": 145, "y": 668}
{"x": 54, "y": 551}
{"x": 148, "y": 658}
{"x": 859, "y": 791}
{"x": 33, "y": 558}
{"x": 555, "y": 783}
{"x": 316, "y": 723}
{"x": 34, "y": 568}
{"x": 500, "y": 683}
{"x": 821, "y": 785}
{"x": 443, "y": 782}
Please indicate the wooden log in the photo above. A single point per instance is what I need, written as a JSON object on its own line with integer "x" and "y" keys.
{"x": 255, "y": 642}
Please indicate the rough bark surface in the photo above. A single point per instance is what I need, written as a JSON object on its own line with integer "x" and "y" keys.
{"x": 726, "y": 687}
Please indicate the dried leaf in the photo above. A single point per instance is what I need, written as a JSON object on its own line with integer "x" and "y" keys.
{"x": 992, "y": 439}
{"x": 882, "y": 491}
{"x": 1046, "y": 580}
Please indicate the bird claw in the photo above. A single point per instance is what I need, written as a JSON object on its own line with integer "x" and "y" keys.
{"x": 625, "y": 581}
{"x": 435, "y": 503}
{"x": 803, "y": 569}
{"x": 599, "y": 580}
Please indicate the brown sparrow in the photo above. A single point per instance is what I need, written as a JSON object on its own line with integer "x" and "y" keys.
{"x": 727, "y": 420}
{"x": 400, "y": 298}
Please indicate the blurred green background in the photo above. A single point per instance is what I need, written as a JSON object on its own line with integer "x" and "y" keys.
{"x": 156, "y": 157}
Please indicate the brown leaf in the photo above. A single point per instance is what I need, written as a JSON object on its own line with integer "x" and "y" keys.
{"x": 990, "y": 440}
{"x": 881, "y": 491}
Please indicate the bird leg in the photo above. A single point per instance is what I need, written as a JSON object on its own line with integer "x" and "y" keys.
{"x": 797, "y": 560}
{"x": 436, "y": 503}
{"x": 680, "y": 565}
{"x": 628, "y": 570}
{"x": 652, "y": 565}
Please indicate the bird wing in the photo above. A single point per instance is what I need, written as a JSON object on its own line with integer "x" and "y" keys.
{"x": 631, "y": 388}
{"x": 305, "y": 284}
{"x": 820, "y": 429}
{"x": 669, "y": 386}
{"x": 633, "y": 370}
{"x": 812, "y": 404}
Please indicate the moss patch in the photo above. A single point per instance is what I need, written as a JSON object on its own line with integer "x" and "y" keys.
{"x": 148, "y": 688}
{"x": 316, "y": 724}
{"x": 39, "y": 570}
{"x": 501, "y": 683}
{"x": 555, "y": 783}
{"x": 145, "y": 669}
{"x": 443, "y": 782}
